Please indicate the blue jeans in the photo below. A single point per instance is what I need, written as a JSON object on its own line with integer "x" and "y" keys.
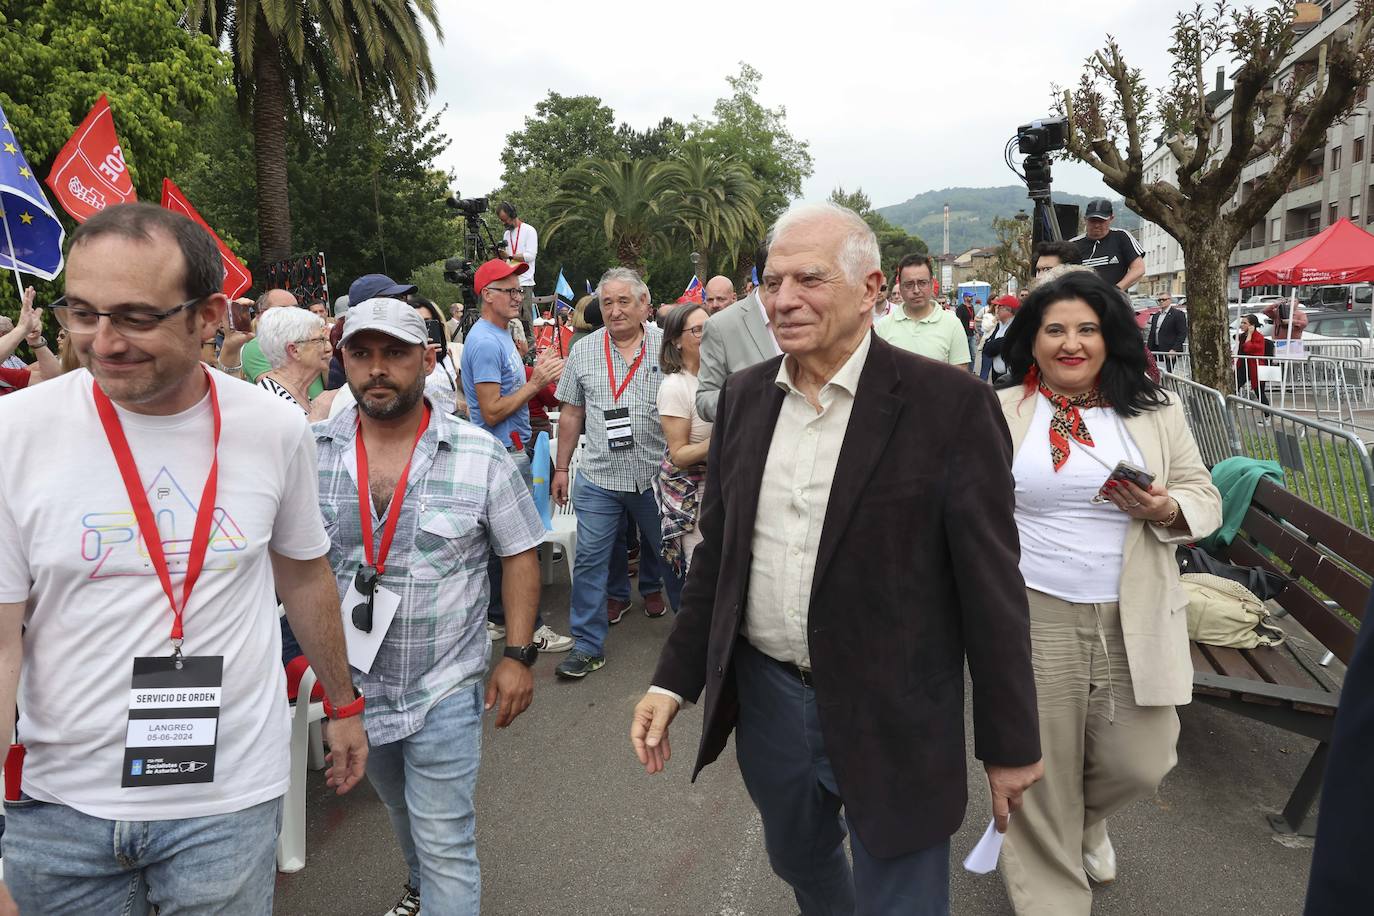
{"x": 599, "y": 512}
{"x": 986, "y": 370}
{"x": 426, "y": 781}
{"x": 788, "y": 774}
{"x": 496, "y": 611}
{"x": 58, "y": 860}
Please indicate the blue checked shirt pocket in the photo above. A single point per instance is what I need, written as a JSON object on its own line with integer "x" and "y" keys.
{"x": 444, "y": 539}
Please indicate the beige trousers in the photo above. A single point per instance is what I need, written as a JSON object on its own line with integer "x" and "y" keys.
{"x": 1101, "y": 753}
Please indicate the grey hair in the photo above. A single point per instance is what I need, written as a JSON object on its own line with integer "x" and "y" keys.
{"x": 284, "y": 326}
{"x": 859, "y": 254}
{"x": 622, "y": 275}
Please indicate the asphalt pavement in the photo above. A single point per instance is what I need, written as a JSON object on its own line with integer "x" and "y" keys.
{"x": 569, "y": 824}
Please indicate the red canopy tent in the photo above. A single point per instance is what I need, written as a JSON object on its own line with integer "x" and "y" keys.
{"x": 1342, "y": 253}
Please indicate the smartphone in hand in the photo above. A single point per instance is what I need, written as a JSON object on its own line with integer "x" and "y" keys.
{"x": 1124, "y": 470}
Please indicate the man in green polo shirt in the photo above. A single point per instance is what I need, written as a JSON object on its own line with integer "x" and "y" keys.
{"x": 921, "y": 325}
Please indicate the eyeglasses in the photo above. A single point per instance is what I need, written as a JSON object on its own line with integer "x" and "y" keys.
{"x": 696, "y": 331}
{"x": 366, "y": 584}
{"x": 319, "y": 340}
{"x": 505, "y": 290}
{"x": 916, "y": 284}
{"x": 78, "y": 319}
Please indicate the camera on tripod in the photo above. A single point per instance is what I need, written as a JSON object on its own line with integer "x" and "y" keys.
{"x": 1036, "y": 141}
{"x": 470, "y": 207}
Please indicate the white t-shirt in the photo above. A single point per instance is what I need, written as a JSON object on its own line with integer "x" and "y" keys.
{"x": 677, "y": 397}
{"x": 74, "y": 555}
{"x": 1071, "y": 547}
{"x": 523, "y": 240}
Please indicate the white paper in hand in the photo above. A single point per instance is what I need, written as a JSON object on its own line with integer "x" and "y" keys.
{"x": 362, "y": 647}
{"x": 983, "y": 858}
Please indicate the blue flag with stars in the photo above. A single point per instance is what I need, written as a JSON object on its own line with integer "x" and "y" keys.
{"x": 31, "y": 241}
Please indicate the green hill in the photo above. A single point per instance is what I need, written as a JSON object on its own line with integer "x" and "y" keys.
{"x": 971, "y": 211}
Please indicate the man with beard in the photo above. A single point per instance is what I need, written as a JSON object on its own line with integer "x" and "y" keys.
{"x": 437, "y": 494}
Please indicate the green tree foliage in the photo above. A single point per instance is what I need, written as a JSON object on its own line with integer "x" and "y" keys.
{"x": 343, "y": 173}
{"x": 720, "y": 212}
{"x": 637, "y": 204}
{"x": 284, "y": 50}
{"x": 742, "y": 127}
{"x": 59, "y": 58}
{"x": 429, "y": 280}
{"x": 893, "y": 242}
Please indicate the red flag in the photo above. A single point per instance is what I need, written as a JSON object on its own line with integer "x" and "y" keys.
{"x": 89, "y": 174}
{"x": 236, "y": 276}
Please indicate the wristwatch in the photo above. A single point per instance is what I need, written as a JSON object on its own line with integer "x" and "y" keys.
{"x": 38, "y": 344}
{"x": 523, "y": 654}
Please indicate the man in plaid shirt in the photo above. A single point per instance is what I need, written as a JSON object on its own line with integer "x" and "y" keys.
{"x": 609, "y": 388}
{"x": 439, "y": 494}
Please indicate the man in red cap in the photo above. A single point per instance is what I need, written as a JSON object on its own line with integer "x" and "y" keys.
{"x": 498, "y": 396}
{"x": 993, "y": 366}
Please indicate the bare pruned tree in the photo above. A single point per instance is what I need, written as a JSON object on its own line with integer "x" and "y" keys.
{"x": 1276, "y": 109}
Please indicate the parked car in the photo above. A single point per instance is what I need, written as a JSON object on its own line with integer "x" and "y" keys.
{"x": 1145, "y": 309}
{"x": 1357, "y": 297}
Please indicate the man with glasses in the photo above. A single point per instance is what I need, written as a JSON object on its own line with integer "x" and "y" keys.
{"x": 1168, "y": 331}
{"x": 138, "y": 592}
{"x": 438, "y": 496}
{"x": 498, "y": 396}
{"x": 920, "y": 325}
{"x": 720, "y": 292}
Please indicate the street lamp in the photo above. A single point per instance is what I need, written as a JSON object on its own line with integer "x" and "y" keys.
{"x": 696, "y": 259}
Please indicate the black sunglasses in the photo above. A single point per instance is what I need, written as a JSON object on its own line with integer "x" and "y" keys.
{"x": 366, "y": 584}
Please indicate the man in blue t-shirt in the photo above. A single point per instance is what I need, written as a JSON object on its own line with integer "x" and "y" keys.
{"x": 498, "y": 395}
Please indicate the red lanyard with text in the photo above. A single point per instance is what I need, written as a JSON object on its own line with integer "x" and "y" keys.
{"x": 610, "y": 369}
{"x": 143, "y": 512}
{"x": 393, "y": 511}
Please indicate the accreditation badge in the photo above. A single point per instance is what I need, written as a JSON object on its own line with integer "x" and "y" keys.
{"x": 173, "y": 730}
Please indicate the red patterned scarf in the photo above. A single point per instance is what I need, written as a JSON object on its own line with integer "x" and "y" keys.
{"x": 1067, "y": 423}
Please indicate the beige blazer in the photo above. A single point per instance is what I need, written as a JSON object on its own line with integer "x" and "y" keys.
{"x": 1154, "y": 617}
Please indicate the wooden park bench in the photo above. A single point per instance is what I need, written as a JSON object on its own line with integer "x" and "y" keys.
{"x": 1283, "y": 686}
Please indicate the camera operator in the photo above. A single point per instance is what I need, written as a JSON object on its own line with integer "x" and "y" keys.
{"x": 520, "y": 245}
{"x": 1113, "y": 253}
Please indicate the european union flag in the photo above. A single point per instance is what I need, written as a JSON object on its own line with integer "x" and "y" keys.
{"x": 33, "y": 236}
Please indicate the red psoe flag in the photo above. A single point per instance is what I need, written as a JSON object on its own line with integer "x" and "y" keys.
{"x": 236, "y": 276}
{"x": 90, "y": 174}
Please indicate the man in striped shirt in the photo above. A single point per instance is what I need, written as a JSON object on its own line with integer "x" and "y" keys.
{"x": 1113, "y": 253}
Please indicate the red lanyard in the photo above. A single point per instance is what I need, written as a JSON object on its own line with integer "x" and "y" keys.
{"x": 515, "y": 240}
{"x": 393, "y": 511}
{"x": 147, "y": 526}
{"x": 610, "y": 368}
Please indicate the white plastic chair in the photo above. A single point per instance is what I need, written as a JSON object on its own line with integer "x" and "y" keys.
{"x": 564, "y": 530}
{"x": 307, "y": 749}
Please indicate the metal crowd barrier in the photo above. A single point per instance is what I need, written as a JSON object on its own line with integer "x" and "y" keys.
{"x": 1323, "y": 464}
{"x": 1208, "y": 418}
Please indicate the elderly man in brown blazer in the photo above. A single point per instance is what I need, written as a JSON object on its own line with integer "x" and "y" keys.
{"x": 836, "y": 658}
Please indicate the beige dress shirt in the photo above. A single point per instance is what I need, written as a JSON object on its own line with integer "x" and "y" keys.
{"x": 792, "y": 501}
{"x": 796, "y": 490}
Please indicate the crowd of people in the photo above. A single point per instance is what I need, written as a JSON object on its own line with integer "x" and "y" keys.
{"x": 736, "y": 454}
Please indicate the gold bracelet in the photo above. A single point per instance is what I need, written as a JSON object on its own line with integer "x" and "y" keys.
{"x": 1172, "y": 517}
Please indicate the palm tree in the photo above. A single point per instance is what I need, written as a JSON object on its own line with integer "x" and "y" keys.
{"x": 722, "y": 200}
{"x": 283, "y": 49}
{"x": 638, "y": 203}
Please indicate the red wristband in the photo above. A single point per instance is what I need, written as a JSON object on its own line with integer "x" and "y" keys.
{"x": 347, "y": 711}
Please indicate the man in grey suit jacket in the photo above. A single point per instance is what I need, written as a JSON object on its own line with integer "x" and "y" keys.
{"x": 734, "y": 338}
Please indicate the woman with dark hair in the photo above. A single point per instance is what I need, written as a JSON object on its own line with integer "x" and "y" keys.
{"x": 1109, "y": 634}
{"x": 1252, "y": 348}
{"x": 444, "y": 384}
{"x": 682, "y": 473}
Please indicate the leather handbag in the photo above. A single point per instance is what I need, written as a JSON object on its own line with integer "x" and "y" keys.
{"x": 1265, "y": 584}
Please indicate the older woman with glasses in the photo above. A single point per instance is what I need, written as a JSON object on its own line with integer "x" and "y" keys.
{"x": 682, "y": 473}
{"x": 295, "y": 343}
{"x": 1108, "y": 482}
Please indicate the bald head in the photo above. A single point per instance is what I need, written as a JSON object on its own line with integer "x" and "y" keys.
{"x": 275, "y": 298}
{"x": 720, "y": 292}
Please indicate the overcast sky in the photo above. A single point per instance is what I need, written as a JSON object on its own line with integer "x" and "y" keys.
{"x": 890, "y": 99}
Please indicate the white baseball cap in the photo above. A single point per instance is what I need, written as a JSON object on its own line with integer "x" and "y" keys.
{"x": 388, "y": 316}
